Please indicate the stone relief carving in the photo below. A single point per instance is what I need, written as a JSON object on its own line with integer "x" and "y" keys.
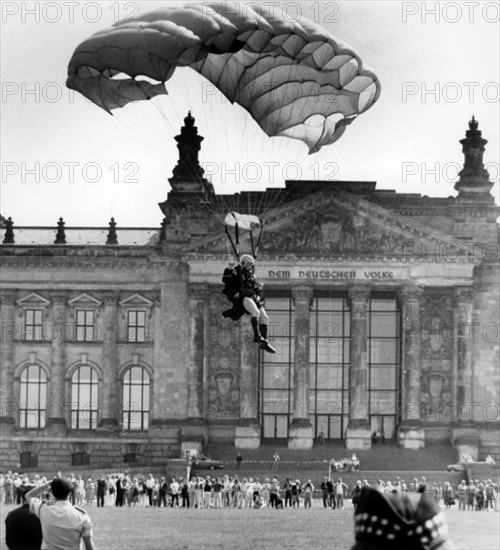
{"x": 436, "y": 353}
{"x": 339, "y": 231}
{"x": 223, "y": 362}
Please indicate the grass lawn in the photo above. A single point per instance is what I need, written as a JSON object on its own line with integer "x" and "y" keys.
{"x": 267, "y": 529}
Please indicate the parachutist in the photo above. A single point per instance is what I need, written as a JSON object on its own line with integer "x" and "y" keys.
{"x": 245, "y": 293}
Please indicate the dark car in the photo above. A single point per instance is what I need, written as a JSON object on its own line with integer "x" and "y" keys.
{"x": 205, "y": 463}
{"x": 458, "y": 467}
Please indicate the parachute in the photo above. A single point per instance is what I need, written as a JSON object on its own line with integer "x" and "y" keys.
{"x": 294, "y": 78}
{"x": 246, "y": 222}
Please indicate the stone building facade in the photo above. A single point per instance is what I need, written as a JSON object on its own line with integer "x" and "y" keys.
{"x": 383, "y": 306}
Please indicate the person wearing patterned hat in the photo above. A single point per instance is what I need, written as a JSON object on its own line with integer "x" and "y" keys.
{"x": 395, "y": 521}
{"x": 245, "y": 293}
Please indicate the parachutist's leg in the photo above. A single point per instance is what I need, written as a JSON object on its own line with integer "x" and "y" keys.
{"x": 251, "y": 307}
{"x": 263, "y": 326}
{"x": 263, "y": 318}
{"x": 256, "y": 333}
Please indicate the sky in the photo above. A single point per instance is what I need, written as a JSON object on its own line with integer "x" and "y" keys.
{"x": 63, "y": 156}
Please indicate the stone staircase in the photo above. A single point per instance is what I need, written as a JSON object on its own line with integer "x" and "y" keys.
{"x": 381, "y": 462}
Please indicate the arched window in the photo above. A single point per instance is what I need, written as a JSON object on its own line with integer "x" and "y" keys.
{"x": 33, "y": 400}
{"x": 136, "y": 399}
{"x": 84, "y": 398}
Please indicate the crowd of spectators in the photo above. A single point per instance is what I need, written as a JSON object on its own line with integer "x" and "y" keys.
{"x": 231, "y": 491}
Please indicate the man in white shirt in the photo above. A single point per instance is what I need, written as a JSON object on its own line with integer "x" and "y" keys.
{"x": 174, "y": 489}
{"x": 63, "y": 525}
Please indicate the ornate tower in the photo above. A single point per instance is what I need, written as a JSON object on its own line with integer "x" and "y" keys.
{"x": 188, "y": 208}
{"x": 474, "y": 181}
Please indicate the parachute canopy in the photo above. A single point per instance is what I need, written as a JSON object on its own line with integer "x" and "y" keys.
{"x": 294, "y": 78}
{"x": 244, "y": 221}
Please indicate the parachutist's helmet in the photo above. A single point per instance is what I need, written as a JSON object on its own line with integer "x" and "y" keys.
{"x": 247, "y": 261}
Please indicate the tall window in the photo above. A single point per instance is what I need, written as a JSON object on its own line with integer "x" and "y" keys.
{"x": 329, "y": 365}
{"x": 276, "y": 371}
{"x": 136, "y": 399}
{"x": 136, "y": 326}
{"x": 84, "y": 325}
{"x": 33, "y": 402}
{"x": 84, "y": 398}
{"x": 384, "y": 363}
{"x": 33, "y": 319}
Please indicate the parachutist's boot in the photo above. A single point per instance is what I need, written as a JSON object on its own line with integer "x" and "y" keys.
{"x": 257, "y": 337}
{"x": 265, "y": 345}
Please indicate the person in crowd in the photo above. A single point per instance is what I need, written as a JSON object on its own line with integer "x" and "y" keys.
{"x": 296, "y": 492}
{"x": 73, "y": 480}
{"x": 239, "y": 460}
{"x": 340, "y": 491}
{"x": 287, "y": 486}
{"x": 471, "y": 490}
{"x": 150, "y": 484}
{"x": 324, "y": 491}
{"x": 200, "y": 485}
{"x": 119, "y": 501}
{"x": 332, "y": 494}
{"x": 79, "y": 490}
{"x": 489, "y": 459}
{"x": 355, "y": 494}
{"x": 174, "y": 491}
{"x": 462, "y": 495}
{"x": 479, "y": 495}
{"x": 162, "y": 492}
{"x": 101, "y": 490}
{"x": 448, "y": 495}
{"x": 184, "y": 494}
{"x": 274, "y": 492}
{"x": 276, "y": 459}
{"x": 438, "y": 492}
{"x": 64, "y": 526}
{"x": 490, "y": 495}
{"x": 355, "y": 462}
{"x": 23, "y": 530}
{"x": 266, "y": 491}
{"x": 207, "y": 493}
{"x": 217, "y": 493}
{"x": 111, "y": 490}
{"x": 308, "y": 490}
{"x": 192, "y": 484}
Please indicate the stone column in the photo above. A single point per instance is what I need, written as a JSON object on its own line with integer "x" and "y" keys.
{"x": 465, "y": 436}
{"x": 8, "y": 411}
{"x": 57, "y": 413}
{"x": 411, "y": 435}
{"x": 198, "y": 294}
{"x": 358, "y": 429}
{"x": 301, "y": 431}
{"x": 110, "y": 416}
{"x": 248, "y": 431}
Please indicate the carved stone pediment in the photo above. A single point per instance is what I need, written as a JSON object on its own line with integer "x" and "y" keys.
{"x": 332, "y": 222}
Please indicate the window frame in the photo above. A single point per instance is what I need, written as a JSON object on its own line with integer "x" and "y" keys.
{"x": 145, "y": 390}
{"x": 76, "y": 411}
{"x": 41, "y": 410}
{"x": 36, "y": 328}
